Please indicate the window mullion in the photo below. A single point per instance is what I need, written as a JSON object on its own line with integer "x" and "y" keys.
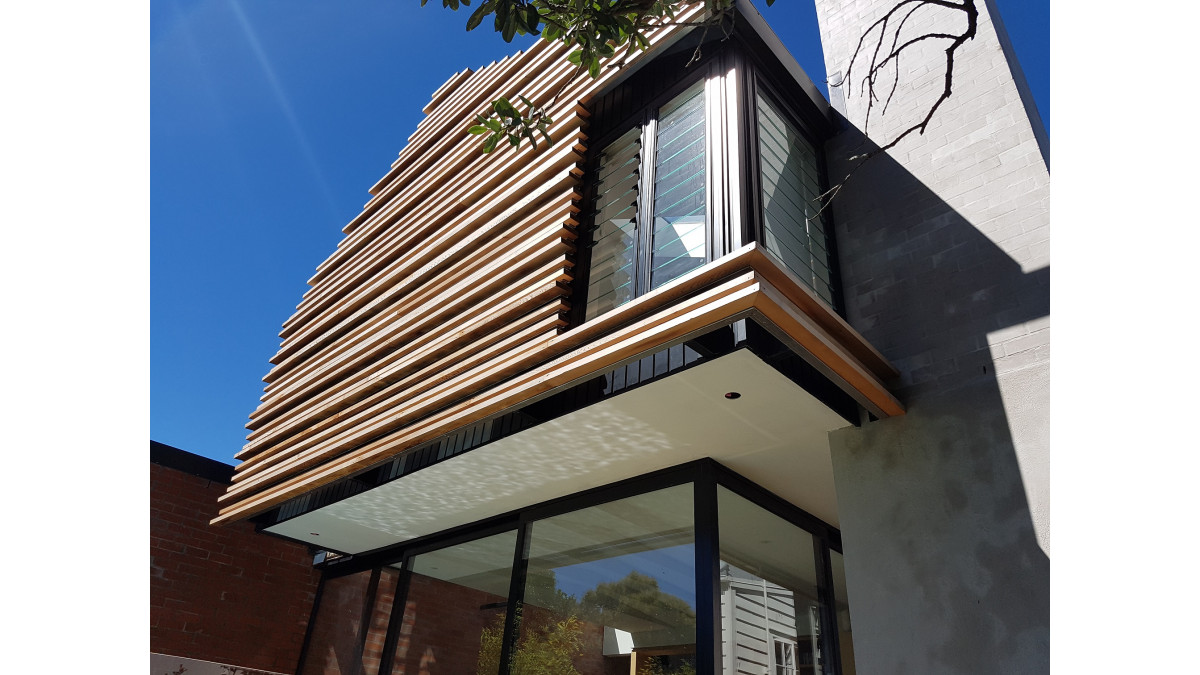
{"x": 715, "y": 163}
{"x": 646, "y": 203}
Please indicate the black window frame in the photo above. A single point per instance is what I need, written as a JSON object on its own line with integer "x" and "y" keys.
{"x": 705, "y": 475}
{"x": 733, "y": 165}
{"x": 646, "y": 118}
{"x": 788, "y": 106}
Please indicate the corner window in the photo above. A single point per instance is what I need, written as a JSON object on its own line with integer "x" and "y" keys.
{"x": 651, "y": 217}
{"x": 793, "y": 229}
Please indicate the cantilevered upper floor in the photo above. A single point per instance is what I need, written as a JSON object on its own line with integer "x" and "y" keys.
{"x": 658, "y": 285}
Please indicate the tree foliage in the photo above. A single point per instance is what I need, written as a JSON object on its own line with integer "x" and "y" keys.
{"x": 596, "y": 29}
{"x": 600, "y": 29}
{"x": 544, "y": 650}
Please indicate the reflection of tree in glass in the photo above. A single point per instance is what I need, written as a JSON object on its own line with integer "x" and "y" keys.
{"x": 541, "y": 590}
{"x": 637, "y": 596}
{"x": 547, "y": 650}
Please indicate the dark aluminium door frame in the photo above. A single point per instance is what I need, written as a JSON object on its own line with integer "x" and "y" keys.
{"x": 705, "y": 475}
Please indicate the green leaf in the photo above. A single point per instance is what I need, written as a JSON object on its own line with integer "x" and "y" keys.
{"x": 479, "y": 14}
{"x": 575, "y": 56}
{"x": 514, "y": 140}
{"x": 476, "y": 130}
{"x": 532, "y": 19}
{"x": 490, "y": 144}
{"x": 510, "y": 28}
{"x": 505, "y": 108}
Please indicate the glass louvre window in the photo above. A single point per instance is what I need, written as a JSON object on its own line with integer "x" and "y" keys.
{"x": 790, "y": 183}
{"x": 674, "y": 198}
{"x": 614, "y": 247}
{"x": 680, "y": 198}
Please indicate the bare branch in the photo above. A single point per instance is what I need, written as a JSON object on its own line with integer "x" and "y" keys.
{"x": 881, "y": 29}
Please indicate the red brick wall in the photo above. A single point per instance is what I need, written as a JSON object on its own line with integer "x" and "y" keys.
{"x": 223, "y": 594}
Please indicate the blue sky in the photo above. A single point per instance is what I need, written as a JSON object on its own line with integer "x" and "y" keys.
{"x": 268, "y": 122}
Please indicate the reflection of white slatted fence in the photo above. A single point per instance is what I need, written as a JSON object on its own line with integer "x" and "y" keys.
{"x": 762, "y": 620}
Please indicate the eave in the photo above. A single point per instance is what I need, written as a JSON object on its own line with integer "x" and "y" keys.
{"x": 747, "y": 282}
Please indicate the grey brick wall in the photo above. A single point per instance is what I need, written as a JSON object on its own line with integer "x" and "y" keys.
{"x": 944, "y": 248}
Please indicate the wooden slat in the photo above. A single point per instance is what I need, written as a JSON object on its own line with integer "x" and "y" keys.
{"x": 403, "y": 323}
{"x": 443, "y": 304}
{"x": 671, "y": 322}
{"x": 650, "y": 302}
{"x": 408, "y": 273}
{"x": 479, "y": 202}
{"x": 549, "y": 60}
{"x": 808, "y": 334}
{"x": 470, "y": 327}
{"x": 408, "y": 373}
{"x": 799, "y": 294}
{"x": 454, "y": 240}
{"x": 441, "y": 92}
{"x": 450, "y": 181}
{"x": 384, "y": 411}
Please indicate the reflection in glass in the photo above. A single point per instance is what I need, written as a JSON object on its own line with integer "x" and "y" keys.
{"x": 333, "y": 644}
{"x": 614, "y": 247}
{"x": 455, "y": 610}
{"x": 793, "y": 229}
{"x": 769, "y": 607}
{"x": 842, "y": 605}
{"x": 611, "y": 589}
{"x": 380, "y": 616}
{"x": 680, "y": 199}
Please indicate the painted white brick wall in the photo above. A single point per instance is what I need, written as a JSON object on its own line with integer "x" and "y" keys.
{"x": 944, "y": 252}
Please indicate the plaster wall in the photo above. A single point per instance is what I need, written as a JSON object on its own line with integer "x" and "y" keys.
{"x": 944, "y": 248}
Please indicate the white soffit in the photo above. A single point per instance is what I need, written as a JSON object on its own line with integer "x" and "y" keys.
{"x": 775, "y": 434}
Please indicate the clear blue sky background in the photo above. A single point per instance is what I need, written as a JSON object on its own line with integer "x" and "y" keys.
{"x": 269, "y": 121}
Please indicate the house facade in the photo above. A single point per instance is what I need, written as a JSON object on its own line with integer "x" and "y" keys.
{"x": 634, "y": 403}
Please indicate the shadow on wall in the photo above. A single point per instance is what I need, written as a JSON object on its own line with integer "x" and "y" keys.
{"x": 940, "y": 522}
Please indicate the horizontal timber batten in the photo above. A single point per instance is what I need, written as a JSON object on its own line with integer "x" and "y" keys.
{"x": 397, "y": 328}
{"x": 501, "y": 233}
{"x": 445, "y": 128}
{"x": 744, "y": 281}
{"x": 483, "y": 200}
{"x": 347, "y": 409}
{"x": 454, "y": 287}
{"x": 461, "y": 166}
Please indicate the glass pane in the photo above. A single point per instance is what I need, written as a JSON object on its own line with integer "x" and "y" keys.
{"x": 381, "y": 614}
{"x": 769, "y": 607}
{"x": 842, "y": 604}
{"x": 680, "y": 196}
{"x": 614, "y": 247}
{"x": 456, "y": 606}
{"x": 792, "y": 230}
{"x": 333, "y": 646}
{"x": 611, "y": 589}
